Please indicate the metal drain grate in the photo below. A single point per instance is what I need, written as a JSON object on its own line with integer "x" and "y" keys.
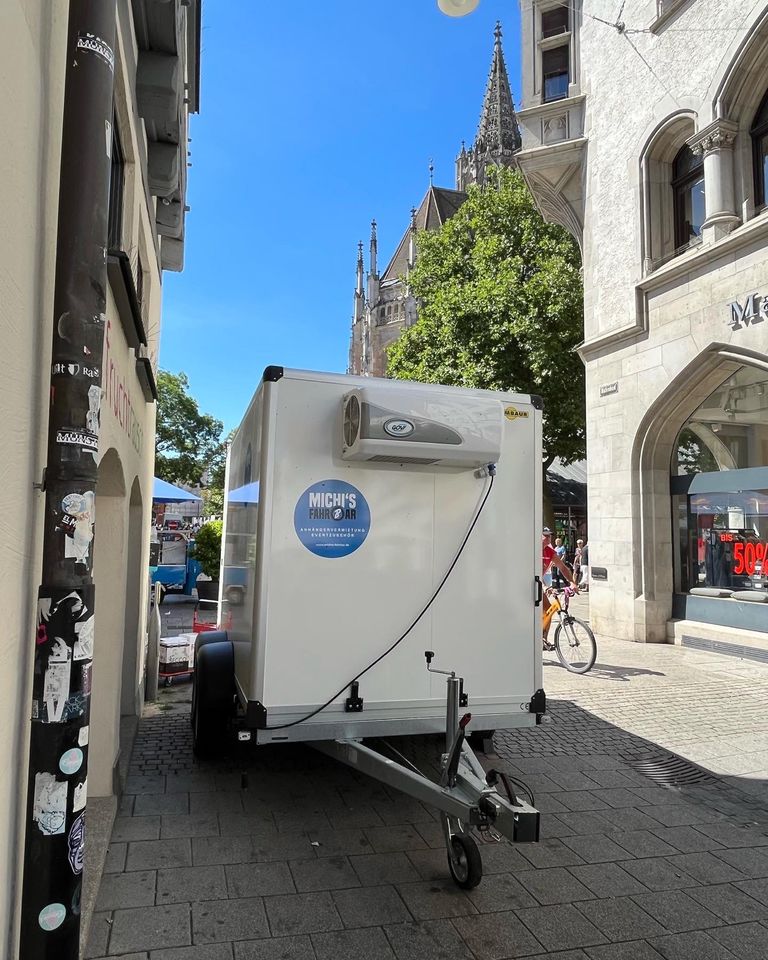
{"x": 726, "y": 649}
{"x": 669, "y": 770}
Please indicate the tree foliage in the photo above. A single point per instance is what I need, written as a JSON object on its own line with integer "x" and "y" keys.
{"x": 188, "y": 443}
{"x": 207, "y": 549}
{"x": 501, "y": 308}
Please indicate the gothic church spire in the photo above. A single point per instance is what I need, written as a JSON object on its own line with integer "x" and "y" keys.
{"x": 498, "y": 136}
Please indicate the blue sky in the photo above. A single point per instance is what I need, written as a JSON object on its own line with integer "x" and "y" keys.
{"x": 316, "y": 116}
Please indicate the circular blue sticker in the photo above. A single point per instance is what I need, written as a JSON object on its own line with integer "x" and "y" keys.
{"x": 332, "y": 518}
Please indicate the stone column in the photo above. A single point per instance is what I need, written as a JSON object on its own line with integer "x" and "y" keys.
{"x": 715, "y": 142}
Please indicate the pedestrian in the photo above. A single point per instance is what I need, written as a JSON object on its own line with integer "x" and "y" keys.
{"x": 577, "y": 560}
{"x": 584, "y": 581}
{"x": 560, "y": 551}
{"x": 549, "y": 559}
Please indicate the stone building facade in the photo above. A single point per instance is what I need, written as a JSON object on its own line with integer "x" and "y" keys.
{"x": 648, "y": 140}
{"x": 156, "y": 78}
{"x": 383, "y": 305}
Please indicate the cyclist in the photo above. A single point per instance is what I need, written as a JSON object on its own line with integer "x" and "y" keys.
{"x": 549, "y": 559}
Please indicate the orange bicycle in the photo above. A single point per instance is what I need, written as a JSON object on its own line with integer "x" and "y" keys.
{"x": 574, "y": 641}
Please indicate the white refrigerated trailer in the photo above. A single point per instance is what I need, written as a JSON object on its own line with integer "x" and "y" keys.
{"x": 369, "y": 527}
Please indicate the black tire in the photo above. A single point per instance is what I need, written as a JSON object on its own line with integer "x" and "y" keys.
{"x": 208, "y": 636}
{"x": 212, "y": 697}
{"x": 575, "y": 645}
{"x": 465, "y": 862}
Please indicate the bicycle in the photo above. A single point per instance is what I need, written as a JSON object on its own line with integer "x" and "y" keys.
{"x": 574, "y": 641}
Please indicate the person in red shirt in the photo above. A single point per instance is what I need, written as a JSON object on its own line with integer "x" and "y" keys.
{"x": 549, "y": 559}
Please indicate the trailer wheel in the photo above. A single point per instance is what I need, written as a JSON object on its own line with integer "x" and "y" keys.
{"x": 212, "y": 697}
{"x": 464, "y": 861}
{"x": 481, "y": 741}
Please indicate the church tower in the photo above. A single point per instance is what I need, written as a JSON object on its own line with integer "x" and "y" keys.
{"x": 498, "y": 136}
{"x": 387, "y": 306}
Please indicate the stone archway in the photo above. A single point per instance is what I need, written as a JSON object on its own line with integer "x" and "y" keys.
{"x": 651, "y": 461}
{"x": 135, "y": 576}
{"x": 109, "y": 578}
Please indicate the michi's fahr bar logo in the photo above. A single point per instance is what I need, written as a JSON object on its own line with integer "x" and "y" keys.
{"x": 332, "y": 518}
{"x": 333, "y": 506}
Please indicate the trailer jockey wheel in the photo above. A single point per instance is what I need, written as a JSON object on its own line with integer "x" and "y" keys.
{"x": 464, "y": 861}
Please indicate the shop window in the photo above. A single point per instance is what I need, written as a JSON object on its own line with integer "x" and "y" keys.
{"x": 760, "y": 152}
{"x": 116, "y": 190}
{"x": 688, "y": 191}
{"x": 555, "y": 69}
{"x": 720, "y": 491}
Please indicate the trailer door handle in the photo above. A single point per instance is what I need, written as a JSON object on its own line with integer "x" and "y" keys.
{"x": 539, "y": 591}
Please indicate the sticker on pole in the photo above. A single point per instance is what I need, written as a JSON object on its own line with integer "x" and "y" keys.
{"x": 332, "y": 518}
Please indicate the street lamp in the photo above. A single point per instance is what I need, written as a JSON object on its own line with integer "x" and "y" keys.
{"x": 457, "y": 8}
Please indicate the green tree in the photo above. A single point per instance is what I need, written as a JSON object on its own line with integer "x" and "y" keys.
{"x": 501, "y": 308}
{"x": 188, "y": 443}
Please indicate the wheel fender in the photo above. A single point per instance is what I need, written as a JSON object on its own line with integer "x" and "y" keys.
{"x": 215, "y": 674}
{"x": 210, "y": 636}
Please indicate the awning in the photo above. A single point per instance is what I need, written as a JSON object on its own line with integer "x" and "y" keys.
{"x": 164, "y": 492}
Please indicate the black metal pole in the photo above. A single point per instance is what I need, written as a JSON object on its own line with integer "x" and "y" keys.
{"x": 58, "y": 755}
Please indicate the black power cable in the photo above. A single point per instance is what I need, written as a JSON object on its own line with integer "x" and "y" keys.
{"x": 284, "y": 726}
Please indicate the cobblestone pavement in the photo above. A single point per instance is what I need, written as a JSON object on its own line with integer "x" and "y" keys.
{"x": 305, "y": 860}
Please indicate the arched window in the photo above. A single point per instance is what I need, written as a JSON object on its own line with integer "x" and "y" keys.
{"x": 760, "y": 150}
{"x": 688, "y": 190}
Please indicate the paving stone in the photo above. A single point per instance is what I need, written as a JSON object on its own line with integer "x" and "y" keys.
{"x": 208, "y": 951}
{"x": 553, "y": 826}
{"x": 281, "y": 846}
{"x": 621, "y": 919}
{"x": 657, "y": 873}
{"x": 731, "y": 835}
{"x": 643, "y": 843}
{"x": 395, "y": 839}
{"x": 215, "y": 802}
{"x": 617, "y": 797}
{"x": 433, "y": 864}
{"x": 140, "y": 785}
{"x": 553, "y": 885}
{"x": 568, "y": 780}
{"x": 686, "y": 839}
{"x": 757, "y": 889}
{"x": 339, "y": 843}
{"x": 629, "y": 818}
{"x": 259, "y": 879}
{"x": 550, "y": 853}
{"x": 359, "y": 816}
{"x": 126, "y": 890}
{"x": 246, "y": 824}
{"x": 153, "y": 854}
{"x": 752, "y": 863}
{"x": 371, "y": 944}
{"x": 582, "y": 800}
{"x": 432, "y": 940}
{"x": 432, "y": 833}
{"x": 329, "y": 873}
{"x": 730, "y": 903}
{"x": 596, "y": 848}
{"x": 585, "y": 822}
{"x": 174, "y": 827}
{"x": 184, "y": 884}
{"x": 634, "y": 950}
{"x": 608, "y": 880}
{"x": 691, "y": 946}
{"x": 153, "y": 804}
{"x": 500, "y": 892}
{"x": 706, "y": 868}
{"x": 376, "y": 868}
{"x": 676, "y": 911}
{"x": 747, "y": 941}
{"x": 114, "y": 861}
{"x": 190, "y": 782}
{"x": 213, "y": 850}
{"x": 562, "y": 955}
{"x": 497, "y": 935}
{"x": 561, "y": 927}
{"x": 677, "y": 815}
{"x": 136, "y": 828}
{"x": 278, "y": 948}
{"x": 222, "y": 920}
{"x": 302, "y": 913}
{"x": 147, "y": 928}
{"x": 403, "y": 811}
{"x": 370, "y": 907}
{"x": 434, "y": 899}
{"x": 659, "y": 796}
{"x": 98, "y": 935}
{"x": 497, "y": 857}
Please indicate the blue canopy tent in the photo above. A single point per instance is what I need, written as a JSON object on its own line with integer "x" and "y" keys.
{"x": 247, "y": 494}
{"x": 164, "y": 492}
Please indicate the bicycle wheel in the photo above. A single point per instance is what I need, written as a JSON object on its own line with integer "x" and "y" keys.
{"x": 575, "y": 645}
